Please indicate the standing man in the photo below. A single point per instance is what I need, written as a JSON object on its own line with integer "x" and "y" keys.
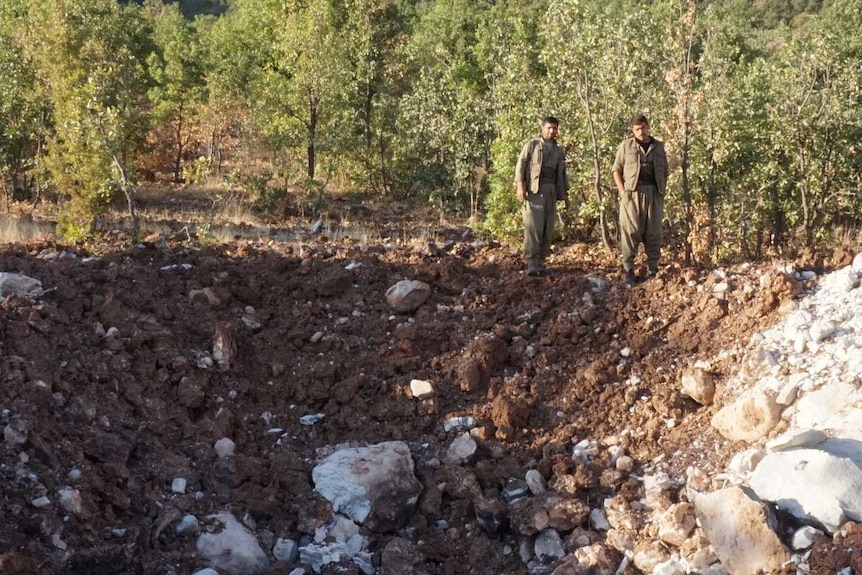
{"x": 640, "y": 172}
{"x": 540, "y": 177}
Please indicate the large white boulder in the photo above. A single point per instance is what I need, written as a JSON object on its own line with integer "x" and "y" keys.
{"x": 375, "y": 485}
{"x": 233, "y": 549}
{"x": 811, "y": 484}
{"x": 740, "y": 530}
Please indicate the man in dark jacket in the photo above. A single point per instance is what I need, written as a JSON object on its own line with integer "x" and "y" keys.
{"x": 640, "y": 172}
{"x": 541, "y": 181}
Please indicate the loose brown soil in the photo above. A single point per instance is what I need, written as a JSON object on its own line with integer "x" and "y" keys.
{"x": 542, "y": 363}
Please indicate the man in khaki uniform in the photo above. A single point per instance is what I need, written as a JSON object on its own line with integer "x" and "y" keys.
{"x": 640, "y": 172}
{"x": 541, "y": 181}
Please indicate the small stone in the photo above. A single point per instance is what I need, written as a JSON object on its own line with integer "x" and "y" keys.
{"x": 286, "y": 550}
{"x": 224, "y": 447}
{"x": 625, "y": 464}
{"x": 187, "y": 525}
{"x": 804, "y": 537}
{"x": 515, "y": 489}
{"x": 40, "y": 502}
{"x": 598, "y": 520}
{"x": 536, "y": 481}
{"x": 178, "y": 485}
{"x": 548, "y": 546}
{"x": 796, "y": 438}
{"x": 13, "y": 437}
{"x": 421, "y": 389}
{"x": 699, "y": 385}
{"x": 462, "y": 449}
{"x": 316, "y": 337}
{"x": 70, "y": 501}
{"x": 464, "y": 423}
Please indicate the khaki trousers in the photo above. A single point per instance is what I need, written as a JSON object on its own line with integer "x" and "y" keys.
{"x": 540, "y": 213}
{"x": 640, "y": 221}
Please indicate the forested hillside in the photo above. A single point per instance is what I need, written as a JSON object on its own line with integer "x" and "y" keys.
{"x": 757, "y": 102}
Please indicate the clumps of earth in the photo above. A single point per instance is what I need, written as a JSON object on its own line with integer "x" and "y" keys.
{"x": 323, "y": 406}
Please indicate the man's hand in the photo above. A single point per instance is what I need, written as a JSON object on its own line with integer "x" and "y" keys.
{"x": 522, "y": 192}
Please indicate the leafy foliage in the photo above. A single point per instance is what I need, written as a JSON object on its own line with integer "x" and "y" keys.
{"x": 757, "y": 103}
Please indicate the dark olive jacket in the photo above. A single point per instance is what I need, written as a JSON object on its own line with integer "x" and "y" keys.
{"x": 628, "y": 163}
{"x": 529, "y": 166}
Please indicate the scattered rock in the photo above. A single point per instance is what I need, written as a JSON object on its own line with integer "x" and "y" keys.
{"x": 698, "y": 384}
{"x": 407, "y": 295}
{"x": 373, "y": 485}
{"x": 812, "y": 485}
{"x": 749, "y": 418}
{"x": 741, "y": 531}
{"x": 232, "y": 548}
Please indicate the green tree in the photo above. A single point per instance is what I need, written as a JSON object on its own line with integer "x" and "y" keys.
{"x": 818, "y": 92}
{"x": 20, "y": 113}
{"x": 176, "y": 68}
{"x": 90, "y": 67}
{"x": 510, "y": 48}
{"x": 603, "y": 67}
{"x": 446, "y": 119}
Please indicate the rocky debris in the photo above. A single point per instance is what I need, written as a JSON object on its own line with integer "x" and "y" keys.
{"x": 374, "y": 486}
{"x": 231, "y": 547}
{"x": 224, "y": 447}
{"x": 567, "y": 397}
{"x": 461, "y": 450}
{"x": 286, "y": 550}
{"x": 741, "y": 530}
{"x": 698, "y": 384}
{"x": 796, "y": 438}
{"x": 749, "y": 417}
{"x": 407, "y": 295}
{"x": 421, "y": 389}
{"x": 787, "y": 478}
{"x": 19, "y": 285}
{"x": 337, "y": 542}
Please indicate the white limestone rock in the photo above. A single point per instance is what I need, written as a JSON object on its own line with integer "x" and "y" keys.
{"x": 285, "y": 550}
{"x": 224, "y": 447}
{"x": 803, "y": 538}
{"x": 421, "y": 389}
{"x": 831, "y": 407}
{"x": 740, "y": 530}
{"x": 748, "y": 418}
{"x": 796, "y": 438}
{"x": 676, "y": 524}
{"x": 745, "y": 462}
{"x": 461, "y": 450}
{"x": 812, "y": 485}
{"x": 70, "y": 501}
{"x": 699, "y": 385}
{"x": 374, "y": 486}
{"x": 234, "y": 549}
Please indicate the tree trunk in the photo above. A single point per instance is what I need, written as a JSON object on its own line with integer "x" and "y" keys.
{"x": 179, "y": 159}
{"x": 312, "y": 134}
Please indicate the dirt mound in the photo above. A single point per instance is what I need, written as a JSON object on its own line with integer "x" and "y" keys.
{"x": 126, "y": 371}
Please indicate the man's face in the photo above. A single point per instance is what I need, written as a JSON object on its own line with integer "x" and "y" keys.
{"x": 641, "y": 132}
{"x": 549, "y": 131}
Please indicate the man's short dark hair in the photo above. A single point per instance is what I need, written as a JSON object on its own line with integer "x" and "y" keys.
{"x": 639, "y": 120}
{"x": 550, "y": 120}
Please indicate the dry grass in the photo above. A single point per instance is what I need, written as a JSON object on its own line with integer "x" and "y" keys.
{"x": 16, "y": 229}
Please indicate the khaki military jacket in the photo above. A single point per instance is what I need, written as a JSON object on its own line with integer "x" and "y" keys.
{"x": 531, "y": 160}
{"x": 628, "y": 163}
